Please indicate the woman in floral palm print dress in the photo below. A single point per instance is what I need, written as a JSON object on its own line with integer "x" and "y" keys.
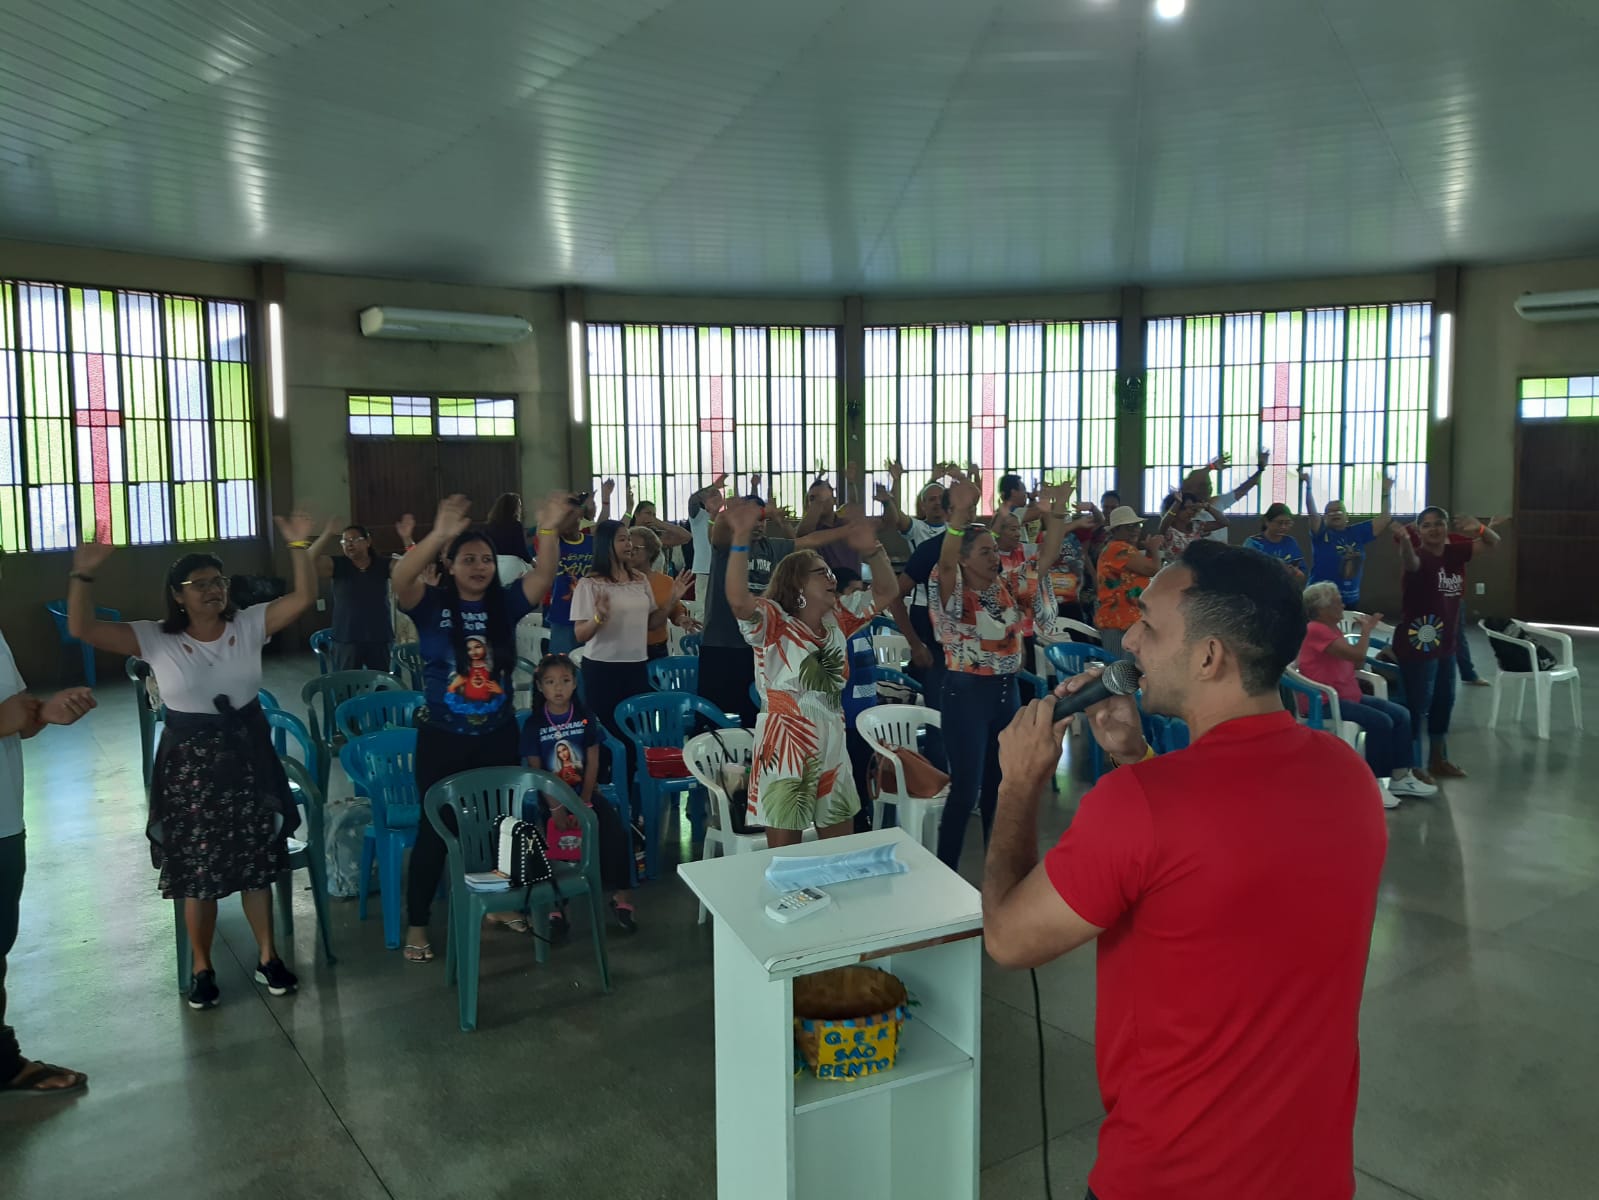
{"x": 799, "y": 630}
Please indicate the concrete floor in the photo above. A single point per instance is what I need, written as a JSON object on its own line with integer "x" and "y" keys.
{"x": 1481, "y": 1033}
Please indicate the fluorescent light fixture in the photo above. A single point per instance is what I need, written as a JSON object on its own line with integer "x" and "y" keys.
{"x": 1170, "y": 10}
{"x": 275, "y": 353}
{"x": 1446, "y": 362}
{"x": 574, "y": 354}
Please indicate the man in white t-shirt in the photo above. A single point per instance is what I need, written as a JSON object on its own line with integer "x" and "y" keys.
{"x": 23, "y": 716}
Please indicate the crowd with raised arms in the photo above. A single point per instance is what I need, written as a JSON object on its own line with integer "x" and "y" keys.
{"x": 973, "y": 578}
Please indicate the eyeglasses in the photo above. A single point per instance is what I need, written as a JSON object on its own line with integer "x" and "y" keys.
{"x": 351, "y": 541}
{"x": 216, "y": 583}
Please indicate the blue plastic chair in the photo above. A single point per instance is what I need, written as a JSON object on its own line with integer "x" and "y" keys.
{"x": 1072, "y": 658}
{"x": 1313, "y": 710}
{"x": 405, "y": 664}
{"x": 653, "y": 721}
{"x": 322, "y": 647}
{"x": 377, "y": 711}
{"x": 58, "y": 613}
{"x": 312, "y": 856}
{"x": 477, "y": 799}
{"x": 322, "y": 697}
{"x": 267, "y": 699}
{"x": 382, "y": 766}
{"x": 286, "y": 725}
{"x": 882, "y": 623}
{"x": 1166, "y": 734}
{"x": 1031, "y": 682}
{"x": 677, "y": 673}
{"x": 691, "y": 643}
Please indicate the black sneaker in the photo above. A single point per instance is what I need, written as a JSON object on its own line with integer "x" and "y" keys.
{"x": 203, "y": 990}
{"x": 624, "y": 917}
{"x": 279, "y": 980}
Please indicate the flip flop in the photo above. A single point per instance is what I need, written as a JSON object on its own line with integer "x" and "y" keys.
{"x": 37, "y": 1073}
{"x": 419, "y": 954}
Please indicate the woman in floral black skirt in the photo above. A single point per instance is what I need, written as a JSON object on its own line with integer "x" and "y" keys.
{"x": 220, "y": 809}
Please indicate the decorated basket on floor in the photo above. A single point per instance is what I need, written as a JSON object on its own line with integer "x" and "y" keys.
{"x": 847, "y": 1021}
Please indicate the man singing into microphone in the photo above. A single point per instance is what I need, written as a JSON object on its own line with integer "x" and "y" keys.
{"x": 1231, "y": 886}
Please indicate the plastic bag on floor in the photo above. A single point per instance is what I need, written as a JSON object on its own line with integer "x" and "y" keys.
{"x": 346, "y": 823}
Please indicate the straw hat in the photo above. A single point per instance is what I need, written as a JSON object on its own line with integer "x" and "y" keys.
{"x": 1123, "y": 516}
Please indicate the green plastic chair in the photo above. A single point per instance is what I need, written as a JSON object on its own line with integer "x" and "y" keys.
{"x": 405, "y": 662}
{"x": 322, "y": 697}
{"x": 149, "y": 717}
{"x": 464, "y": 809}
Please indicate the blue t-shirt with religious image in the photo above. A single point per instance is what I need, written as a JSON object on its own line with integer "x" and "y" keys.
{"x": 576, "y": 559}
{"x": 561, "y": 741}
{"x": 472, "y": 696}
{"x": 1339, "y": 556}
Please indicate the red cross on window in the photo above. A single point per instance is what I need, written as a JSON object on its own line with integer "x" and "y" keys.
{"x": 989, "y": 421}
{"x": 99, "y": 420}
{"x": 717, "y": 424}
{"x": 1276, "y": 416}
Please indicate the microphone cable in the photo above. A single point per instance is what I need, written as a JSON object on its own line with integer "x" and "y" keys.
{"x": 1043, "y": 1094}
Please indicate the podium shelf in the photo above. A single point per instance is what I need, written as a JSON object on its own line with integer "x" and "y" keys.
{"x": 923, "y": 1054}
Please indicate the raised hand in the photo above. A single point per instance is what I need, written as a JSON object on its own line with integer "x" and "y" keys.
{"x": 1496, "y": 522}
{"x": 67, "y": 706}
{"x": 607, "y": 486}
{"x": 296, "y": 527}
{"x": 453, "y": 517}
{"x": 964, "y": 495}
{"x": 1221, "y": 462}
{"x": 1387, "y": 485}
{"x": 742, "y": 516}
{"x": 755, "y": 481}
{"x": 681, "y": 582}
{"x": 895, "y": 468}
{"x": 1465, "y": 524}
{"x": 1261, "y": 460}
{"x": 1304, "y": 475}
{"x": 405, "y": 527}
{"x": 632, "y": 501}
{"x": 862, "y": 536}
{"x": 90, "y": 555}
{"x": 1370, "y": 621}
{"x": 719, "y": 480}
{"x": 551, "y": 511}
{"x": 882, "y": 494}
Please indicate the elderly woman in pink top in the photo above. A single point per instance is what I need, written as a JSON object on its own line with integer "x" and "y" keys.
{"x": 1328, "y": 658}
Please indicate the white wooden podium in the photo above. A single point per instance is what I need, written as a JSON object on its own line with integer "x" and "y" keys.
{"x": 908, "y": 1134}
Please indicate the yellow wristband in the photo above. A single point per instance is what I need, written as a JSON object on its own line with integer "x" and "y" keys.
{"x": 302, "y": 545}
{"x": 953, "y": 532}
{"x": 546, "y": 533}
{"x": 1149, "y": 753}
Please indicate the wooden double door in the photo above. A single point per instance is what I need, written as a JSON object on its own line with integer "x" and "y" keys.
{"x": 390, "y": 477}
{"x": 1556, "y": 533}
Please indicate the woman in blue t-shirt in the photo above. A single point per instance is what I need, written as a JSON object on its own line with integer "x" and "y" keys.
{"x": 466, "y": 631}
{"x": 1276, "y": 538}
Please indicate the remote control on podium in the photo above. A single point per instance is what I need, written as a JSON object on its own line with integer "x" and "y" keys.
{"x": 798, "y": 904}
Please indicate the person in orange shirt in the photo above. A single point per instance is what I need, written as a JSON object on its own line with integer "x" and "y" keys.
{"x": 645, "y": 554}
{"x": 1124, "y": 572}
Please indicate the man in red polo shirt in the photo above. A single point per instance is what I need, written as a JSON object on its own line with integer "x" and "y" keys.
{"x": 1231, "y": 887}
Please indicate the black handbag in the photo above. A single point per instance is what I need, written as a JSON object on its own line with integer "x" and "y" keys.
{"x": 520, "y": 853}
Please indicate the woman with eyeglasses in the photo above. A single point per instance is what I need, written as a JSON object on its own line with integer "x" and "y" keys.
{"x": 466, "y": 633}
{"x": 799, "y": 630}
{"x": 363, "y": 629}
{"x": 220, "y": 809}
{"x": 979, "y": 621}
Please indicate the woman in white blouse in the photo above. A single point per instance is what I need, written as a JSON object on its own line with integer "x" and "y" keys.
{"x": 613, "y": 611}
{"x": 220, "y": 809}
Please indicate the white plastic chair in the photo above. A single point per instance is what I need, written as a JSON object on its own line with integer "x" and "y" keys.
{"x": 897, "y": 725}
{"x": 705, "y": 756}
{"x": 1351, "y": 733}
{"x": 1063, "y": 624}
{"x": 1557, "y": 643}
{"x": 891, "y": 650}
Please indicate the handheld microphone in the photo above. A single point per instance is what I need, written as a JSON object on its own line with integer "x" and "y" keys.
{"x": 1120, "y": 678}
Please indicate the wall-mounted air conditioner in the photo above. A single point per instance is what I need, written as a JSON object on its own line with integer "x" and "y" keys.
{"x": 1559, "y": 306}
{"x": 432, "y": 325}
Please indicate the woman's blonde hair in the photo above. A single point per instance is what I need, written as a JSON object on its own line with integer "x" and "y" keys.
{"x": 788, "y": 580}
{"x": 650, "y": 541}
